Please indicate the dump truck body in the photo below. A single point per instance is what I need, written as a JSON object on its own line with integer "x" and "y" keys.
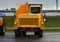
{"x": 29, "y": 18}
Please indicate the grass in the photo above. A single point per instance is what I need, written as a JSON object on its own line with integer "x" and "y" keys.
{"x": 10, "y": 30}
{"x": 51, "y": 21}
{"x": 46, "y": 30}
{"x": 52, "y": 30}
{"x": 9, "y": 21}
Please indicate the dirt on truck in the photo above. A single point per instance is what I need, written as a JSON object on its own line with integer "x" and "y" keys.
{"x": 29, "y": 18}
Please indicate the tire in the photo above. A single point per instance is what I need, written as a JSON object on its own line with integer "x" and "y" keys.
{"x": 2, "y": 33}
{"x": 35, "y": 33}
{"x": 24, "y": 33}
{"x": 17, "y": 33}
{"x": 40, "y": 33}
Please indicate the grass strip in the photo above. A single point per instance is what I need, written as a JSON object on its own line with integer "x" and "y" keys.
{"x": 46, "y": 30}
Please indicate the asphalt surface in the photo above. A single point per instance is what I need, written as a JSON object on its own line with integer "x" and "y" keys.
{"x": 47, "y": 37}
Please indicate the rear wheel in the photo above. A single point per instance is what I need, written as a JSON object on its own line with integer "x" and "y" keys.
{"x": 35, "y": 33}
{"x": 2, "y": 33}
{"x": 24, "y": 33}
{"x": 40, "y": 33}
{"x": 17, "y": 33}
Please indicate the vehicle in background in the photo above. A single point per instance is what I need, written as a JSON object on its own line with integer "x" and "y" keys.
{"x": 2, "y": 24}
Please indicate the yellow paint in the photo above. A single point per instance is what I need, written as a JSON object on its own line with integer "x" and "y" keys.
{"x": 24, "y": 12}
{"x": 1, "y": 21}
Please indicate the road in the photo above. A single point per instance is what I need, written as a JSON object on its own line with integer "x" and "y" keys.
{"x": 47, "y": 37}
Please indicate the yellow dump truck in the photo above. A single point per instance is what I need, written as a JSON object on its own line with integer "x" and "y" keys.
{"x": 29, "y": 18}
{"x": 2, "y": 24}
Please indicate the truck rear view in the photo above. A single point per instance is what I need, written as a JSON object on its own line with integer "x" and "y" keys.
{"x": 29, "y": 18}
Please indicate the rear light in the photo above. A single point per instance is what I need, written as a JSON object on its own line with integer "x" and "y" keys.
{"x": 15, "y": 22}
{"x": 42, "y": 22}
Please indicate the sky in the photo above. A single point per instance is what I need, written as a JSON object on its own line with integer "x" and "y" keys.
{"x": 47, "y": 4}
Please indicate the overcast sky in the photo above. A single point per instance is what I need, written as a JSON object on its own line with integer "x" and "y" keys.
{"x": 47, "y": 4}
